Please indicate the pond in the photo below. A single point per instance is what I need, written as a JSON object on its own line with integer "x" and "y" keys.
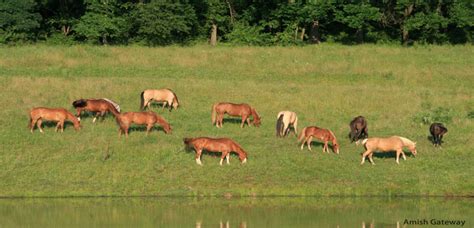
{"x": 236, "y": 212}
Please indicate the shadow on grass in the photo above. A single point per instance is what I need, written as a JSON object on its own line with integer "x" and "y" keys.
{"x": 391, "y": 154}
{"x": 430, "y": 138}
{"x": 142, "y": 128}
{"x": 235, "y": 121}
{"x": 52, "y": 124}
{"x": 91, "y": 115}
{"x": 157, "y": 105}
{"x": 318, "y": 144}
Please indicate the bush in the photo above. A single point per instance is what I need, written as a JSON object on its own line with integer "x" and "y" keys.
{"x": 162, "y": 22}
{"x": 470, "y": 115}
{"x": 287, "y": 37}
{"x": 18, "y": 21}
{"x": 440, "y": 114}
{"x": 60, "y": 39}
{"x": 248, "y": 35}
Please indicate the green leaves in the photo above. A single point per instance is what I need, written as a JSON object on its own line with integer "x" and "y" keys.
{"x": 162, "y": 22}
{"x": 18, "y": 20}
{"x": 358, "y": 16}
{"x": 244, "y": 34}
{"x": 101, "y": 22}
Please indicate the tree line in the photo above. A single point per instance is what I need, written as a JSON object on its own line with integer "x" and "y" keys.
{"x": 246, "y": 22}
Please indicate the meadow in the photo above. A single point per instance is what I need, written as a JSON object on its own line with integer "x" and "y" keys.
{"x": 399, "y": 90}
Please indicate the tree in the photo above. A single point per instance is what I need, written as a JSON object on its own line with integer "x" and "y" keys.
{"x": 18, "y": 20}
{"x": 216, "y": 17}
{"x": 461, "y": 21}
{"x": 288, "y": 20}
{"x": 163, "y": 22}
{"x": 61, "y": 15}
{"x": 317, "y": 13}
{"x": 256, "y": 22}
{"x": 358, "y": 17}
{"x": 427, "y": 23}
{"x": 102, "y": 21}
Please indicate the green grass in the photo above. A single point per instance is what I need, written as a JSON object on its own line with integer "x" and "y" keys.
{"x": 395, "y": 88}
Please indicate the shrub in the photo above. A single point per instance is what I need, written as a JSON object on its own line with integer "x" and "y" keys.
{"x": 470, "y": 115}
{"x": 440, "y": 114}
{"x": 243, "y": 33}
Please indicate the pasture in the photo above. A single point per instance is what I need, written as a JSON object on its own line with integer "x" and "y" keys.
{"x": 399, "y": 90}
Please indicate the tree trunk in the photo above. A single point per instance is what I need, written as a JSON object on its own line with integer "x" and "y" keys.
{"x": 231, "y": 11}
{"x": 296, "y": 33}
{"x": 303, "y": 30}
{"x": 314, "y": 38}
{"x": 66, "y": 29}
{"x": 404, "y": 35}
{"x": 360, "y": 35}
{"x": 104, "y": 40}
{"x": 406, "y": 14}
{"x": 213, "y": 35}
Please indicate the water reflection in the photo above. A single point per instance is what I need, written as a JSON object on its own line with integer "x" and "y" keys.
{"x": 219, "y": 212}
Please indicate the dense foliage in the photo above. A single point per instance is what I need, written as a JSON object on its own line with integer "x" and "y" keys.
{"x": 257, "y": 22}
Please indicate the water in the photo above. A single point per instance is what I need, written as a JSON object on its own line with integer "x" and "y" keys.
{"x": 235, "y": 212}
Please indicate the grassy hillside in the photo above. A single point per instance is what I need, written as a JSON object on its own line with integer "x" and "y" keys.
{"x": 395, "y": 88}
